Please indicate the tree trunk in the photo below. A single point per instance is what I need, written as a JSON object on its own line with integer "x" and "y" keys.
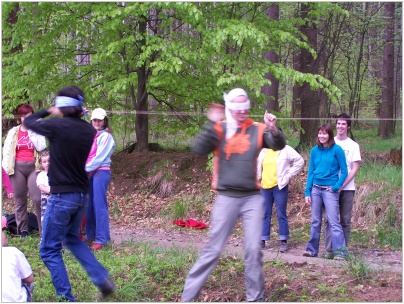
{"x": 142, "y": 119}
{"x": 271, "y": 92}
{"x": 386, "y": 126}
{"x": 309, "y": 100}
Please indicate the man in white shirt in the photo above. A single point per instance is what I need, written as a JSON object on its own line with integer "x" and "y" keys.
{"x": 16, "y": 274}
{"x": 346, "y": 196}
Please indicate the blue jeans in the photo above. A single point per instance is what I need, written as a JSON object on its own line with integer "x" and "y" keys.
{"x": 346, "y": 199}
{"x": 61, "y": 223}
{"x": 329, "y": 200}
{"x": 280, "y": 197}
{"x": 97, "y": 225}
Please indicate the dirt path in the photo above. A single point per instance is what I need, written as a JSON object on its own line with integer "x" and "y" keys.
{"x": 381, "y": 260}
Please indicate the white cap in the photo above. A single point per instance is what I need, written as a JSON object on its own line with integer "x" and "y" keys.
{"x": 98, "y": 113}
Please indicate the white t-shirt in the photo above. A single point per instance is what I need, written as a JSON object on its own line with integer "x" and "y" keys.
{"x": 42, "y": 179}
{"x": 352, "y": 154}
{"x": 14, "y": 268}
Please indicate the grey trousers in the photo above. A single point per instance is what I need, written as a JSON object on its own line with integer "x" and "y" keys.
{"x": 24, "y": 180}
{"x": 224, "y": 216}
{"x": 346, "y": 198}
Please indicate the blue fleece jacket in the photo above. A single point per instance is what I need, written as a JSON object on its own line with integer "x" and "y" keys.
{"x": 327, "y": 167}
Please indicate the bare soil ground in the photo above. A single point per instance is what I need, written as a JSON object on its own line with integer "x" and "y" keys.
{"x": 141, "y": 206}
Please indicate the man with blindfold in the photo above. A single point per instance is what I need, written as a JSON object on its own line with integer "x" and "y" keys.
{"x": 70, "y": 139}
{"x": 236, "y": 143}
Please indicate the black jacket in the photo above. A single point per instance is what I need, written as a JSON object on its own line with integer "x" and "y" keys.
{"x": 70, "y": 141}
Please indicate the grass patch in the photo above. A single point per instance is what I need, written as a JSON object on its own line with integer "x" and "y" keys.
{"x": 358, "y": 268}
{"x": 378, "y": 206}
{"x": 141, "y": 272}
{"x": 369, "y": 141}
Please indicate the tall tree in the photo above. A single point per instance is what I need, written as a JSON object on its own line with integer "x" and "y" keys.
{"x": 177, "y": 54}
{"x": 386, "y": 126}
{"x": 308, "y": 98}
{"x": 271, "y": 91}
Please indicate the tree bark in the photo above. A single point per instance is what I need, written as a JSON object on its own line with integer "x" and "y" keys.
{"x": 386, "y": 126}
{"x": 309, "y": 100}
{"x": 271, "y": 92}
{"x": 142, "y": 119}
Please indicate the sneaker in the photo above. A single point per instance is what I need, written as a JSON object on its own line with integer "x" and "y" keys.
{"x": 23, "y": 234}
{"x": 284, "y": 247}
{"x": 308, "y": 254}
{"x": 328, "y": 255}
{"x": 97, "y": 246}
{"x": 262, "y": 244}
{"x": 339, "y": 258}
{"x": 107, "y": 288}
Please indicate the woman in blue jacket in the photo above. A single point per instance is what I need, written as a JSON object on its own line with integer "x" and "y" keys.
{"x": 326, "y": 174}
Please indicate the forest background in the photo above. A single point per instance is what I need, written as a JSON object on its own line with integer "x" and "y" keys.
{"x": 155, "y": 66}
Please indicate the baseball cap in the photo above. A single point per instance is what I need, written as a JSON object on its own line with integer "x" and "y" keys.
{"x": 3, "y": 222}
{"x": 98, "y": 113}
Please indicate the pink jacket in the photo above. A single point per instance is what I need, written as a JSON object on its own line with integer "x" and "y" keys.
{"x": 6, "y": 181}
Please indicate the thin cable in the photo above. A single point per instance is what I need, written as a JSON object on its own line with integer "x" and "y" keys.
{"x": 181, "y": 113}
{"x": 175, "y": 113}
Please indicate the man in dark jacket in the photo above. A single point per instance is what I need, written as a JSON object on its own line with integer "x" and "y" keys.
{"x": 236, "y": 143}
{"x": 70, "y": 139}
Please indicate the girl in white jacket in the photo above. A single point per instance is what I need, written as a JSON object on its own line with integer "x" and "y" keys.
{"x": 275, "y": 170}
{"x": 21, "y": 161}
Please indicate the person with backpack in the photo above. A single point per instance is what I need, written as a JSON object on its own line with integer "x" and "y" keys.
{"x": 70, "y": 138}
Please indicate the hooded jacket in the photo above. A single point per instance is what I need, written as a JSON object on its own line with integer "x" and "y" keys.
{"x": 235, "y": 159}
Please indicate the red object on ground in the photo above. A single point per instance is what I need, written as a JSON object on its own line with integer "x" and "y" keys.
{"x": 190, "y": 223}
{"x": 96, "y": 246}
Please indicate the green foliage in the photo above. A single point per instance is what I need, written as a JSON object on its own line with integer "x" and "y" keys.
{"x": 366, "y": 135}
{"x": 191, "y": 55}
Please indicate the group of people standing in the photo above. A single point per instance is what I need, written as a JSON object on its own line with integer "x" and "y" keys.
{"x": 77, "y": 164}
{"x": 252, "y": 168}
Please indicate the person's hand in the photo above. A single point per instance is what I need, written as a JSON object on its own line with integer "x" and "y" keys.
{"x": 10, "y": 195}
{"x": 270, "y": 121}
{"x": 307, "y": 200}
{"x": 215, "y": 112}
{"x": 54, "y": 111}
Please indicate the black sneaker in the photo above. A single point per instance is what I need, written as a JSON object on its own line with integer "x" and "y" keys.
{"x": 328, "y": 255}
{"x": 262, "y": 244}
{"x": 107, "y": 288}
{"x": 23, "y": 234}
